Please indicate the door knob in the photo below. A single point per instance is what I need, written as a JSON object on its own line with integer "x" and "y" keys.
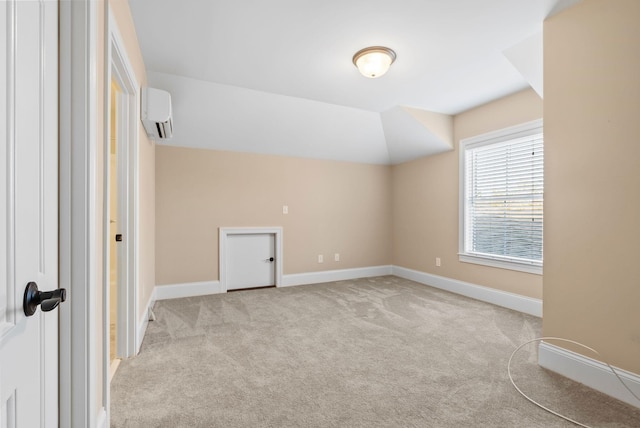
{"x": 48, "y": 299}
{"x": 270, "y": 259}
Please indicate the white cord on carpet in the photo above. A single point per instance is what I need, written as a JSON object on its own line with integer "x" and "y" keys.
{"x": 540, "y": 339}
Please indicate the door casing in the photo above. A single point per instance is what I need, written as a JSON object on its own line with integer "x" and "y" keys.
{"x": 127, "y": 109}
{"x": 119, "y": 69}
{"x": 77, "y": 222}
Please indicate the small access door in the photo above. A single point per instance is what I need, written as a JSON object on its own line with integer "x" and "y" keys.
{"x": 251, "y": 261}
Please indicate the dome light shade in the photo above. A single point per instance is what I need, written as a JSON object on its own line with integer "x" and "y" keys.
{"x": 374, "y": 61}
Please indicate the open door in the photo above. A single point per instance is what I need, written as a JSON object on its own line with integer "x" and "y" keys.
{"x": 29, "y": 214}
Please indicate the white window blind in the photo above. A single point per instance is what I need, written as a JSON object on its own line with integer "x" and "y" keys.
{"x": 503, "y": 198}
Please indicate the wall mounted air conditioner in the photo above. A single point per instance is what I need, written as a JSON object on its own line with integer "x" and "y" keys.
{"x": 156, "y": 113}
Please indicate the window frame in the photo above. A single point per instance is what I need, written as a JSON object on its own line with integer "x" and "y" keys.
{"x": 495, "y": 137}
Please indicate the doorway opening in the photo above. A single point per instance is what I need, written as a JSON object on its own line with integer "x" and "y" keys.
{"x": 113, "y": 230}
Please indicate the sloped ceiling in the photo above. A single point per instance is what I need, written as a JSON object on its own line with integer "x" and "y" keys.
{"x": 276, "y": 77}
{"x": 525, "y": 57}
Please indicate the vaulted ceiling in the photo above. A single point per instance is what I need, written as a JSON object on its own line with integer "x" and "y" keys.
{"x": 276, "y": 76}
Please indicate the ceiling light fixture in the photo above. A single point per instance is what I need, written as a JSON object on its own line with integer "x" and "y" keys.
{"x": 374, "y": 61}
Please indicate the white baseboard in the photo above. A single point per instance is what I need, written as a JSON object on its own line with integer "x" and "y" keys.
{"x": 113, "y": 368}
{"x": 589, "y": 372}
{"x": 188, "y": 289}
{"x": 143, "y": 322}
{"x": 101, "y": 419}
{"x": 333, "y": 275}
{"x": 142, "y": 330}
{"x": 203, "y": 288}
{"x": 513, "y": 301}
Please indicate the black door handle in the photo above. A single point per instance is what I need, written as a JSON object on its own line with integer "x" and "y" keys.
{"x": 270, "y": 259}
{"x": 48, "y": 299}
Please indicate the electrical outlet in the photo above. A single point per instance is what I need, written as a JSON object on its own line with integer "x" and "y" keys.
{"x": 320, "y": 258}
{"x": 285, "y": 209}
{"x": 336, "y": 257}
{"x": 438, "y": 262}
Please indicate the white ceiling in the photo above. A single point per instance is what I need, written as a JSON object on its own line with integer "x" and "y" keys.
{"x": 276, "y": 76}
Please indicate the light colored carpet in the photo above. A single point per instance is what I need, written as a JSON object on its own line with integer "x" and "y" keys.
{"x": 376, "y": 352}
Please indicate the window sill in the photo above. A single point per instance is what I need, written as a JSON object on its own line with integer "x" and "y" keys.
{"x": 502, "y": 264}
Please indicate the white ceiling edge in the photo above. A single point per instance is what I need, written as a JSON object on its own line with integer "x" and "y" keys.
{"x": 560, "y": 6}
{"x": 527, "y": 57}
{"x": 411, "y": 133}
{"x": 222, "y": 117}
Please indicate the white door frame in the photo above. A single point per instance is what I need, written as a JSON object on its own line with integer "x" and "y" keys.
{"x": 77, "y": 257}
{"x": 222, "y": 251}
{"x": 118, "y": 68}
{"x": 127, "y": 114}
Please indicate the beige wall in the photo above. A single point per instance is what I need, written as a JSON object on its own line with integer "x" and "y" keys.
{"x": 592, "y": 178}
{"x": 333, "y": 207}
{"x": 425, "y": 202}
{"x": 372, "y": 215}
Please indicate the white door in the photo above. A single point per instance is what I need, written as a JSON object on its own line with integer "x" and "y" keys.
{"x": 250, "y": 260}
{"x": 28, "y": 211}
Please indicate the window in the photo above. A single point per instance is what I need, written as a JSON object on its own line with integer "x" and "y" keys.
{"x": 501, "y": 195}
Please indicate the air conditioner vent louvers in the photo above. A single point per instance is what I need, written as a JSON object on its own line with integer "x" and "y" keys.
{"x": 164, "y": 129}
